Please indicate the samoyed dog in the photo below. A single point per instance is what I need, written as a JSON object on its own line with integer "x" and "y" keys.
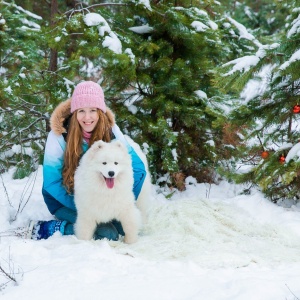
{"x": 103, "y": 185}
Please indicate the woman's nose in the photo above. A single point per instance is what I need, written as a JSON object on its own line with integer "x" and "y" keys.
{"x": 87, "y": 115}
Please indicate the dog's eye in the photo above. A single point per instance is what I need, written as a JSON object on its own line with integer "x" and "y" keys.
{"x": 116, "y": 163}
{"x": 104, "y": 163}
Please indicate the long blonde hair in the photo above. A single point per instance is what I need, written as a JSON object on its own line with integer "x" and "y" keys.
{"x": 74, "y": 151}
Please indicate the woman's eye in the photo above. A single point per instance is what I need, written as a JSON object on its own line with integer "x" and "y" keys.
{"x": 116, "y": 163}
{"x": 104, "y": 163}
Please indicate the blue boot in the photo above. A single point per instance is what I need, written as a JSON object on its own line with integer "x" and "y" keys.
{"x": 38, "y": 230}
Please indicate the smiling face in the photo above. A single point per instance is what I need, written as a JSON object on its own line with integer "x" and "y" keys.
{"x": 87, "y": 118}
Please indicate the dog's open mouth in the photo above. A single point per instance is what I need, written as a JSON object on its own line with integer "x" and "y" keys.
{"x": 109, "y": 182}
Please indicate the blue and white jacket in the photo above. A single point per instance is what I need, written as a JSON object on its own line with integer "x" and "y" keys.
{"x": 55, "y": 194}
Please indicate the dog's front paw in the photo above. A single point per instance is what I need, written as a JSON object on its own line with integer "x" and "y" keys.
{"x": 83, "y": 232}
{"x": 130, "y": 239}
{"x": 86, "y": 236}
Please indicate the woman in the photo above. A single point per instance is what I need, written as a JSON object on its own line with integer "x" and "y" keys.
{"x": 75, "y": 125}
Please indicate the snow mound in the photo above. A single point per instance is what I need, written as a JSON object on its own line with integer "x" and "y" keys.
{"x": 212, "y": 234}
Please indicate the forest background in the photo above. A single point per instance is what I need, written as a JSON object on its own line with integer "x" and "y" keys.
{"x": 209, "y": 89}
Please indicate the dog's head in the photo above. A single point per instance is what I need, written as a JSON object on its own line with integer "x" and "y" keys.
{"x": 109, "y": 159}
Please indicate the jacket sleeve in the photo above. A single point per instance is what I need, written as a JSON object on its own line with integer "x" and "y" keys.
{"x": 139, "y": 170}
{"x": 52, "y": 170}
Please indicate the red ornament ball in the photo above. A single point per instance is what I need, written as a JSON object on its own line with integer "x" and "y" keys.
{"x": 282, "y": 159}
{"x": 264, "y": 154}
{"x": 296, "y": 109}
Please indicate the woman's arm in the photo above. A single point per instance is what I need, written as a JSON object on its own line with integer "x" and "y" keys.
{"x": 52, "y": 174}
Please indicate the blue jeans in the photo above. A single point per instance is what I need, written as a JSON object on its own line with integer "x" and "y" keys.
{"x": 109, "y": 230}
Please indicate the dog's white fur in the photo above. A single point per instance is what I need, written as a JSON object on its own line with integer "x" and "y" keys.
{"x": 97, "y": 202}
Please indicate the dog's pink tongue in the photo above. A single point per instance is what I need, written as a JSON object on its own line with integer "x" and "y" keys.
{"x": 110, "y": 182}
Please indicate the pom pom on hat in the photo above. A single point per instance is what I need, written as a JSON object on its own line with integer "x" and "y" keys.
{"x": 88, "y": 94}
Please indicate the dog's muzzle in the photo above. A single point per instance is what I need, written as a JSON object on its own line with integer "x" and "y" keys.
{"x": 110, "y": 181}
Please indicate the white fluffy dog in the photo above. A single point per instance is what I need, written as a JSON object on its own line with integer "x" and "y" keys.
{"x": 103, "y": 191}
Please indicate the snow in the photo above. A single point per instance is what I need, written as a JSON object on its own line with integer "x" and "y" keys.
{"x": 2, "y": 70}
{"x": 293, "y": 58}
{"x": 111, "y": 41}
{"x": 295, "y": 28}
{"x": 129, "y": 52}
{"x": 199, "y": 26}
{"x": 242, "y": 64}
{"x": 213, "y": 25}
{"x": 294, "y": 153}
{"x": 30, "y": 23}
{"x": 18, "y": 149}
{"x": 243, "y": 32}
{"x": 145, "y": 3}
{"x": 174, "y": 154}
{"x": 94, "y": 19}
{"x": 201, "y": 94}
{"x": 30, "y": 14}
{"x": 284, "y": 146}
{"x": 21, "y": 54}
{"x": 258, "y": 85}
{"x": 8, "y": 89}
{"x": 210, "y": 143}
{"x": 208, "y": 242}
{"x": 141, "y": 29}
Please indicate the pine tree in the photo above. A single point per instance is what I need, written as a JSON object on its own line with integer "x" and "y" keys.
{"x": 267, "y": 113}
{"x": 26, "y": 88}
{"x": 20, "y": 116}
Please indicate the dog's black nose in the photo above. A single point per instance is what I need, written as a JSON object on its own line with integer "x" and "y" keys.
{"x": 111, "y": 173}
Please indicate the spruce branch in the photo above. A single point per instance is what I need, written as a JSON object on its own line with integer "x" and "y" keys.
{"x": 74, "y": 10}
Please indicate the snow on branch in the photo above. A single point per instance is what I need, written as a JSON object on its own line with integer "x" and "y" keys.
{"x": 243, "y": 32}
{"x": 141, "y": 29}
{"x": 111, "y": 41}
{"x": 295, "y": 28}
{"x": 294, "y": 57}
{"x": 28, "y": 13}
{"x": 243, "y": 64}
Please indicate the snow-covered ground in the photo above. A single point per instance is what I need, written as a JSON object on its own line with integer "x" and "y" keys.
{"x": 209, "y": 242}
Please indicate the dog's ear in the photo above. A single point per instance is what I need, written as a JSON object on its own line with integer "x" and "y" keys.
{"x": 97, "y": 146}
{"x": 120, "y": 144}
{"x": 100, "y": 144}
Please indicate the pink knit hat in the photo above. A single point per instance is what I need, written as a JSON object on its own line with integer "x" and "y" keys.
{"x": 88, "y": 94}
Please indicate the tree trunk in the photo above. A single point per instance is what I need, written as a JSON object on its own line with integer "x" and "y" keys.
{"x": 53, "y": 52}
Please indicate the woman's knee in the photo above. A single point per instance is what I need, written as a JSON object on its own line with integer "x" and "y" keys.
{"x": 106, "y": 230}
{"x": 67, "y": 214}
